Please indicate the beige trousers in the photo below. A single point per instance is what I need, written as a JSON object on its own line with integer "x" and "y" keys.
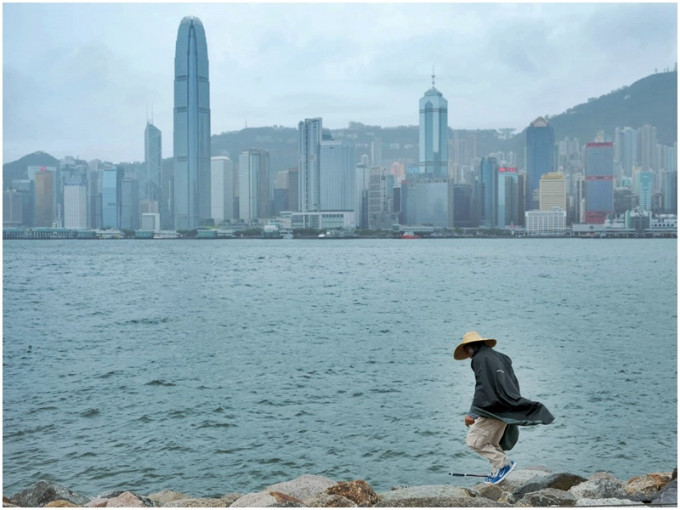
{"x": 484, "y": 438}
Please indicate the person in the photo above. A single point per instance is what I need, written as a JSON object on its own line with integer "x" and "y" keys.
{"x": 497, "y": 406}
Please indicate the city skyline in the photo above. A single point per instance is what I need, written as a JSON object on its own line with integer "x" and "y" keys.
{"x": 90, "y": 88}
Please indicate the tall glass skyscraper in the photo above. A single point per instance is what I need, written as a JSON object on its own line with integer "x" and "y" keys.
{"x": 540, "y": 158}
{"x": 434, "y": 130}
{"x": 151, "y": 184}
{"x": 192, "y": 126}
{"x": 309, "y": 151}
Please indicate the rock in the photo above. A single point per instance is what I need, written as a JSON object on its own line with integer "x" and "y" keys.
{"x": 432, "y": 496}
{"x": 61, "y": 503}
{"x": 606, "y": 502}
{"x": 600, "y": 486}
{"x": 285, "y": 499}
{"x": 196, "y": 503}
{"x": 324, "y": 500}
{"x": 547, "y": 497}
{"x": 519, "y": 477}
{"x": 164, "y": 497}
{"x": 648, "y": 485}
{"x": 126, "y": 500}
{"x": 489, "y": 491}
{"x": 43, "y": 491}
{"x": 302, "y": 488}
{"x": 255, "y": 499}
{"x": 96, "y": 503}
{"x": 228, "y": 499}
{"x": 561, "y": 481}
{"x": 358, "y": 491}
{"x": 6, "y": 502}
{"x": 668, "y": 496}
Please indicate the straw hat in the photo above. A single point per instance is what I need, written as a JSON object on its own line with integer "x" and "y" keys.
{"x": 471, "y": 337}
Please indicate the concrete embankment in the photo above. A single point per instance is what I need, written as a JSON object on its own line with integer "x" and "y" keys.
{"x": 532, "y": 487}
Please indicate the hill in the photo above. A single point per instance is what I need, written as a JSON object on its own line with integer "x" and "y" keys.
{"x": 17, "y": 169}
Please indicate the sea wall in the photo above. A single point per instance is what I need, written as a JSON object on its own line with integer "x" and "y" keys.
{"x": 532, "y": 487}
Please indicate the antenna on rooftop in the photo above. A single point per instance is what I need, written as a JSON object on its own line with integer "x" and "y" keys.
{"x": 432, "y": 75}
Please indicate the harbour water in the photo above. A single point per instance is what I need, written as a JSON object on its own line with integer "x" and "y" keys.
{"x": 211, "y": 367}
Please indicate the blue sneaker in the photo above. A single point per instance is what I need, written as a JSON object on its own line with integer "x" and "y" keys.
{"x": 502, "y": 473}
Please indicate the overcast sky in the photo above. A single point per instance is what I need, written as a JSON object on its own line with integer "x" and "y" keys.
{"x": 82, "y": 79}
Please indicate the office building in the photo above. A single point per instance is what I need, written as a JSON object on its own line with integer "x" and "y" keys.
{"x": 463, "y": 206}
{"x": 222, "y": 182}
{"x": 191, "y": 127}
{"x": 150, "y": 188}
{"x": 546, "y": 223}
{"x": 552, "y": 192}
{"x": 254, "y": 185}
{"x": 12, "y": 208}
{"x": 488, "y": 175}
{"x": 309, "y": 152}
{"x": 112, "y": 181}
{"x": 599, "y": 192}
{"x": 540, "y": 158}
{"x": 670, "y": 192}
{"x": 130, "y": 215}
{"x": 361, "y": 183}
{"x": 507, "y": 209}
{"x": 434, "y": 131}
{"x": 75, "y": 205}
{"x": 336, "y": 176}
{"x": 45, "y": 199}
{"x": 428, "y": 202}
{"x": 643, "y": 187}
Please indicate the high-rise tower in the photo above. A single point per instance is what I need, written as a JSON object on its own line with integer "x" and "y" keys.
{"x": 434, "y": 129}
{"x": 540, "y": 158}
{"x": 309, "y": 151}
{"x": 192, "y": 126}
{"x": 151, "y": 187}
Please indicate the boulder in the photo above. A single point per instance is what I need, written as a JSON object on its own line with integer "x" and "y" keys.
{"x": 357, "y": 491}
{"x": 519, "y": 477}
{"x": 489, "y": 491}
{"x": 432, "y": 496}
{"x": 668, "y": 496}
{"x": 600, "y": 486}
{"x": 164, "y": 497}
{"x": 196, "y": 503}
{"x": 61, "y": 503}
{"x": 606, "y": 502}
{"x": 547, "y": 497}
{"x": 228, "y": 499}
{"x": 561, "y": 481}
{"x": 646, "y": 486}
{"x": 324, "y": 500}
{"x": 303, "y": 488}
{"x": 43, "y": 491}
{"x": 126, "y": 500}
{"x": 255, "y": 499}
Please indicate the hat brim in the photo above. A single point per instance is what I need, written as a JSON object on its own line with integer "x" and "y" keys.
{"x": 459, "y": 353}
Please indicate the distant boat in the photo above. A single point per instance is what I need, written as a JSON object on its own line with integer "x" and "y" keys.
{"x": 409, "y": 235}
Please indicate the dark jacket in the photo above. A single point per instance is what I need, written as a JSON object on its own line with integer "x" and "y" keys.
{"x": 497, "y": 395}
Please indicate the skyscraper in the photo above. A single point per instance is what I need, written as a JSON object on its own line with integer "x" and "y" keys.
{"x": 254, "y": 185}
{"x": 192, "y": 126}
{"x": 599, "y": 181}
{"x": 540, "y": 157}
{"x": 222, "y": 183}
{"x": 336, "y": 176}
{"x": 309, "y": 150}
{"x": 488, "y": 180}
{"x": 151, "y": 184}
{"x": 434, "y": 130}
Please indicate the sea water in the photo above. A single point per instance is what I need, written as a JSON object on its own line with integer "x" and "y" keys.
{"x": 217, "y": 366}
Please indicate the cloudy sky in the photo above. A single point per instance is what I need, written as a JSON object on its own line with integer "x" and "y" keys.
{"x": 82, "y": 79}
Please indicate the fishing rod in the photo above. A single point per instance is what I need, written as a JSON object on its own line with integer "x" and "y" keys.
{"x": 467, "y": 474}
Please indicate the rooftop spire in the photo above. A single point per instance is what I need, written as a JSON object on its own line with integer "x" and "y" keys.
{"x": 433, "y": 76}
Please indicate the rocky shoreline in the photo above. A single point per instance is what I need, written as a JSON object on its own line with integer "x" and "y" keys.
{"x": 532, "y": 487}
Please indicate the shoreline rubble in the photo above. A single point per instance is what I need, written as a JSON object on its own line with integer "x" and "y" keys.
{"x": 531, "y": 487}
